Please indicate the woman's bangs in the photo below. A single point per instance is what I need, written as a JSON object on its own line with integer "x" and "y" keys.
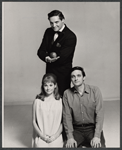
{"x": 49, "y": 79}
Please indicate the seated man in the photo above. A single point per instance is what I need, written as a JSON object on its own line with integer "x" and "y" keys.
{"x": 83, "y": 113}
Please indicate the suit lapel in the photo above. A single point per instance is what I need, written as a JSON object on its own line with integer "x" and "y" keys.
{"x": 60, "y": 37}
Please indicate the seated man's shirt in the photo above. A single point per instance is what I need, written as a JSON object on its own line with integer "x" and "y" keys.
{"x": 83, "y": 109}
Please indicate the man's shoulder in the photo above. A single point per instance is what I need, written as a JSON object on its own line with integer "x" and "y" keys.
{"x": 69, "y": 31}
{"x": 68, "y": 91}
{"x": 68, "y": 96}
{"x": 49, "y": 30}
{"x": 92, "y": 87}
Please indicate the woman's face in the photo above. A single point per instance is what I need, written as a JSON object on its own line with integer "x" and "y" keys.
{"x": 49, "y": 87}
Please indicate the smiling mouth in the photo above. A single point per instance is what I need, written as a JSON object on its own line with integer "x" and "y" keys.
{"x": 55, "y": 28}
{"x": 76, "y": 82}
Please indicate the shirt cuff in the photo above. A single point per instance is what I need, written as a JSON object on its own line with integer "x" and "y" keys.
{"x": 46, "y": 59}
{"x": 97, "y": 135}
{"x": 70, "y": 135}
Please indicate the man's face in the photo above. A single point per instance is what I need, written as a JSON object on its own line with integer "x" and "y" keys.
{"x": 56, "y": 23}
{"x": 77, "y": 78}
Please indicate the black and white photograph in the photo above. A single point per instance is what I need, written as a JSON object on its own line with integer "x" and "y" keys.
{"x": 61, "y": 74}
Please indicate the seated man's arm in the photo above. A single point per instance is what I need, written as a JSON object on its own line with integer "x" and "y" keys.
{"x": 67, "y": 122}
{"x": 99, "y": 118}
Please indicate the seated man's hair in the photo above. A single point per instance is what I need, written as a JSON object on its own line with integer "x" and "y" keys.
{"x": 78, "y": 68}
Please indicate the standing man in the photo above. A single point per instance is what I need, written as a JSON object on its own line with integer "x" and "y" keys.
{"x": 83, "y": 113}
{"x": 61, "y": 40}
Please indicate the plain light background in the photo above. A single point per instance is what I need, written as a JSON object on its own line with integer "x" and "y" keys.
{"x": 97, "y": 27}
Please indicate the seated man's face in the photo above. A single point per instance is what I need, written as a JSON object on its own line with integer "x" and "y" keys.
{"x": 77, "y": 78}
{"x": 56, "y": 23}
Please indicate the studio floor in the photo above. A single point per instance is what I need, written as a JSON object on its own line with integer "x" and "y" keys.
{"x": 18, "y": 125}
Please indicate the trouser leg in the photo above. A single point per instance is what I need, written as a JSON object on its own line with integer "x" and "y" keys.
{"x": 91, "y": 135}
{"x": 78, "y": 136}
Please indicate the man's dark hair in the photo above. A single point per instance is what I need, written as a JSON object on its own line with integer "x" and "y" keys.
{"x": 56, "y": 13}
{"x": 78, "y": 68}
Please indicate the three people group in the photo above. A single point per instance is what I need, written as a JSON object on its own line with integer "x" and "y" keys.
{"x": 77, "y": 110}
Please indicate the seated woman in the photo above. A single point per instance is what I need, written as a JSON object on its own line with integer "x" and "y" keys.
{"x": 47, "y": 115}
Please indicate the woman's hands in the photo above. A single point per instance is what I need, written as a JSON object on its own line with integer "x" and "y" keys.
{"x": 49, "y": 139}
{"x": 45, "y": 138}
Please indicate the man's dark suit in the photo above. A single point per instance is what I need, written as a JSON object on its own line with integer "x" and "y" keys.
{"x": 64, "y": 46}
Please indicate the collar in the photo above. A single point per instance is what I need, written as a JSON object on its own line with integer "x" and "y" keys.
{"x": 62, "y": 28}
{"x": 86, "y": 89}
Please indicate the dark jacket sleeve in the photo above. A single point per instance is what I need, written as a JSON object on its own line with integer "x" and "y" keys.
{"x": 42, "y": 51}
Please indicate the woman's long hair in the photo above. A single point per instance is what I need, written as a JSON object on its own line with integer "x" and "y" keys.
{"x": 49, "y": 77}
